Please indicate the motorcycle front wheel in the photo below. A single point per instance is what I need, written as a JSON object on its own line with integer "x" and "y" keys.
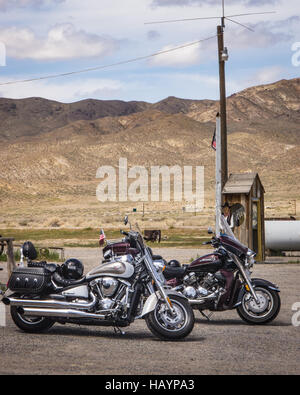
{"x": 166, "y": 326}
{"x": 262, "y": 313}
{"x": 30, "y": 325}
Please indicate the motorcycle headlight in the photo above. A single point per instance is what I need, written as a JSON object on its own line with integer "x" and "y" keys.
{"x": 160, "y": 267}
{"x": 251, "y": 257}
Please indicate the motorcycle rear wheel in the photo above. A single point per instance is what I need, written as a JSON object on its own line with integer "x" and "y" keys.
{"x": 30, "y": 325}
{"x": 262, "y": 314}
{"x": 164, "y": 326}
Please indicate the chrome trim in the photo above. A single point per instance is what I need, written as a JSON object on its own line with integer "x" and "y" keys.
{"x": 51, "y": 303}
{"x": 61, "y": 313}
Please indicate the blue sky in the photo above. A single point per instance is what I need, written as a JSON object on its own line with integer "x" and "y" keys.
{"x": 45, "y": 37}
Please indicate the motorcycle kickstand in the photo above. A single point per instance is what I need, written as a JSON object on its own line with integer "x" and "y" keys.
{"x": 119, "y": 331}
{"x": 206, "y": 316}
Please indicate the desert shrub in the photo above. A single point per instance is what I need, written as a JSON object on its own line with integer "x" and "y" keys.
{"x": 54, "y": 223}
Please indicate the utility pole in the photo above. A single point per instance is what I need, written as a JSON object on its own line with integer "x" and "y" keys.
{"x": 218, "y": 175}
{"x": 223, "y": 56}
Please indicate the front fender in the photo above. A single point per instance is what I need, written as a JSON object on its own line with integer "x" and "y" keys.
{"x": 256, "y": 282}
{"x": 154, "y": 298}
{"x": 261, "y": 282}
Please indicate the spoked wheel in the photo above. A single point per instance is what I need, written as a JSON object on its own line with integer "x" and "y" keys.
{"x": 171, "y": 327}
{"x": 265, "y": 311}
{"x": 30, "y": 324}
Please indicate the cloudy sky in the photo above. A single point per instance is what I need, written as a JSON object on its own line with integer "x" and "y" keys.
{"x": 45, "y": 37}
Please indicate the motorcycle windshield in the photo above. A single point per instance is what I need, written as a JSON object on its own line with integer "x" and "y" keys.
{"x": 229, "y": 234}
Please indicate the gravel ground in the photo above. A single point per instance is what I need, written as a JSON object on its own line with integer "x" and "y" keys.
{"x": 225, "y": 345}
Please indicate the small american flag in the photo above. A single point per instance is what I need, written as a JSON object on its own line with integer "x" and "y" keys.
{"x": 102, "y": 237}
{"x": 214, "y": 142}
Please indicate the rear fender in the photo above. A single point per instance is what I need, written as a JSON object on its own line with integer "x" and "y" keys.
{"x": 153, "y": 299}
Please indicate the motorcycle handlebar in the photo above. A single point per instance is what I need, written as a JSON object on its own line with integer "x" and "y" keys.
{"x": 214, "y": 241}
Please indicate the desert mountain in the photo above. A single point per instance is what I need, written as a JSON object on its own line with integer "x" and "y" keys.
{"x": 32, "y": 116}
{"x": 50, "y": 152}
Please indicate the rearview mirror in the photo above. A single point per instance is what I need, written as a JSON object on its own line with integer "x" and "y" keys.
{"x": 210, "y": 231}
{"x": 126, "y": 220}
{"x": 238, "y": 214}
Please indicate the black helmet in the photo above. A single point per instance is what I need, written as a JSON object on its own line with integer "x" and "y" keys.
{"x": 72, "y": 269}
{"x": 174, "y": 263}
{"x": 29, "y": 251}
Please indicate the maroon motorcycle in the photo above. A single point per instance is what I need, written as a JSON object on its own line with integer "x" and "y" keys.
{"x": 222, "y": 281}
{"x": 218, "y": 281}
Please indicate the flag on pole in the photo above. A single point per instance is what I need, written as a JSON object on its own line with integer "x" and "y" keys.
{"x": 102, "y": 237}
{"x": 214, "y": 142}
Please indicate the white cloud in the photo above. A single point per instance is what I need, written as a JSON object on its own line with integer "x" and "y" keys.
{"x": 252, "y": 77}
{"x": 62, "y": 42}
{"x": 7, "y": 4}
{"x": 66, "y": 91}
{"x": 265, "y": 34}
{"x": 266, "y": 75}
{"x": 184, "y": 57}
{"x": 182, "y": 3}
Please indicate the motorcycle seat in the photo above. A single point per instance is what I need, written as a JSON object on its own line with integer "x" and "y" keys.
{"x": 157, "y": 257}
{"x": 64, "y": 282}
{"x": 51, "y": 267}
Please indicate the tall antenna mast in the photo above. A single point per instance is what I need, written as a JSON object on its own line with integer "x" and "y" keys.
{"x": 223, "y": 13}
{"x": 222, "y": 57}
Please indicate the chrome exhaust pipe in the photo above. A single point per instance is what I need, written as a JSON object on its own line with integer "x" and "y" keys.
{"x": 196, "y": 301}
{"x": 203, "y": 299}
{"x": 50, "y": 303}
{"x": 60, "y": 313}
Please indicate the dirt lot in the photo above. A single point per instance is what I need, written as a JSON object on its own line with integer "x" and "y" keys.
{"x": 225, "y": 345}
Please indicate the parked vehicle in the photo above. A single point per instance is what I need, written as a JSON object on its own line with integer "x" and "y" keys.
{"x": 116, "y": 293}
{"x": 222, "y": 281}
{"x": 218, "y": 281}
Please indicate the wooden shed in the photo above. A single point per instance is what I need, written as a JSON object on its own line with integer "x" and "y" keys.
{"x": 247, "y": 190}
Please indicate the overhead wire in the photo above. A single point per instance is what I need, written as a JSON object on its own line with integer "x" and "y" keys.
{"x": 208, "y": 17}
{"x": 90, "y": 69}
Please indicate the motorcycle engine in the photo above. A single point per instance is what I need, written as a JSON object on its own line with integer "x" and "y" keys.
{"x": 195, "y": 288}
{"x": 106, "y": 288}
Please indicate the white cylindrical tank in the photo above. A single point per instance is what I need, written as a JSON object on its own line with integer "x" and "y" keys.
{"x": 282, "y": 235}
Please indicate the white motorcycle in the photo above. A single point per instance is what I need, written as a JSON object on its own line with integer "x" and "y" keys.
{"x": 114, "y": 294}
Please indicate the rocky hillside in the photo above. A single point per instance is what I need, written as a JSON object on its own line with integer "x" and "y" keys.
{"x": 50, "y": 152}
{"x": 33, "y": 116}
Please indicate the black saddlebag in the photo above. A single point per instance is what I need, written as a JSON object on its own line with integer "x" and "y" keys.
{"x": 29, "y": 280}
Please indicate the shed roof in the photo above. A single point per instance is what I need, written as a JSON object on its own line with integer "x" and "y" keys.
{"x": 241, "y": 183}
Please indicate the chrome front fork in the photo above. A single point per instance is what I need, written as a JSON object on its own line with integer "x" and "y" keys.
{"x": 246, "y": 277}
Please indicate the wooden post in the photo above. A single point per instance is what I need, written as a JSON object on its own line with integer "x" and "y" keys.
{"x": 224, "y": 162}
{"x": 218, "y": 175}
{"x": 11, "y": 264}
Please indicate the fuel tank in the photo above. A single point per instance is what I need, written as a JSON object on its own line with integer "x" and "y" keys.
{"x": 210, "y": 263}
{"x": 118, "y": 268}
{"x": 120, "y": 248}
